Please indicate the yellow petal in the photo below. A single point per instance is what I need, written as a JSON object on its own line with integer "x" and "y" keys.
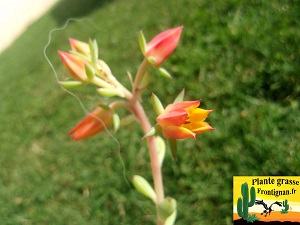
{"x": 198, "y": 114}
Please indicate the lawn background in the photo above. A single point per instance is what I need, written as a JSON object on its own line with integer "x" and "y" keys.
{"x": 241, "y": 58}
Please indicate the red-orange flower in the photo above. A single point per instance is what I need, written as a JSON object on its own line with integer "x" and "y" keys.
{"x": 163, "y": 45}
{"x": 183, "y": 120}
{"x": 74, "y": 65}
{"x": 92, "y": 124}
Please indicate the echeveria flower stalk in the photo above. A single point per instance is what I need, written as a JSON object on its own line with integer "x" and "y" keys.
{"x": 183, "y": 120}
{"x": 163, "y": 45}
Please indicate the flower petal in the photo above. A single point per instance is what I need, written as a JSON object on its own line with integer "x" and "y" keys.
{"x": 173, "y": 118}
{"x": 183, "y": 105}
{"x": 177, "y": 132}
{"x": 74, "y": 65}
{"x": 80, "y": 46}
{"x": 199, "y": 127}
{"x": 198, "y": 114}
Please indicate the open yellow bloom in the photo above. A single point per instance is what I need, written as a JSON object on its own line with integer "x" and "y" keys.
{"x": 183, "y": 120}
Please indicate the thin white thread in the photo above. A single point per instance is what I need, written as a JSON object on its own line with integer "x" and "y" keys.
{"x": 76, "y": 97}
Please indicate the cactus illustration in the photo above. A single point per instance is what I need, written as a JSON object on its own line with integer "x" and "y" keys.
{"x": 243, "y": 204}
{"x": 286, "y": 207}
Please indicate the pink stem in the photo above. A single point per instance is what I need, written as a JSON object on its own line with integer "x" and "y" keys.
{"x": 154, "y": 160}
{"x": 146, "y": 126}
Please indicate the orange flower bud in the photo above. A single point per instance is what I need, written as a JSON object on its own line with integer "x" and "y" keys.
{"x": 79, "y": 46}
{"x": 163, "y": 45}
{"x": 183, "y": 120}
{"x": 74, "y": 65}
{"x": 92, "y": 124}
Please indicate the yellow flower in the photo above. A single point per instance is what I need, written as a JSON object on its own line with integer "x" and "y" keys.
{"x": 183, "y": 120}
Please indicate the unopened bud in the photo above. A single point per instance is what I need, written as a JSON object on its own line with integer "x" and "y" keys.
{"x": 144, "y": 187}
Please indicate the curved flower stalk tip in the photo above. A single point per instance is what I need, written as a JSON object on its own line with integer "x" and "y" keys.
{"x": 92, "y": 124}
{"x": 74, "y": 65}
{"x": 183, "y": 120}
{"x": 162, "y": 45}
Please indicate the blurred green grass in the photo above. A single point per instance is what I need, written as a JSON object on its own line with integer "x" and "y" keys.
{"x": 240, "y": 57}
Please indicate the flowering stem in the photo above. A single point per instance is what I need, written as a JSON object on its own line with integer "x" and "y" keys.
{"x": 155, "y": 165}
{"x": 146, "y": 126}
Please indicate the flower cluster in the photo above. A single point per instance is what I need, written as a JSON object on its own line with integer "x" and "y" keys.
{"x": 179, "y": 120}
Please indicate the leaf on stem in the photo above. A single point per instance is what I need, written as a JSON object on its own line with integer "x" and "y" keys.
{"x": 71, "y": 84}
{"x": 90, "y": 72}
{"x": 142, "y": 42}
{"x": 180, "y": 97}
{"x": 116, "y": 121}
{"x": 110, "y": 92}
{"x": 161, "y": 147}
{"x": 158, "y": 107}
{"x": 142, "y": 185}
{"x": 164, "y": 72}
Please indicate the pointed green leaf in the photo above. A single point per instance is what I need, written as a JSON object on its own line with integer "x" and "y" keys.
{"x": 158, "y": 107}
{"x": 116, "y": 121}
{"x": 180, "y": 97}
{"x": 145, "y": 81}
{"x": 110, "y": 92}
{"x": 71, "y": 84}
{"x": 142, "y": 42}
{"x": 94, "y": 51}
{"x": 130, "y": 77}
{"x": 164, "y": 72}
{"x": 90, "y": 72}
{"x": 142, "y": 185}
{"x": 173, "y": 147}
{"x": 161, "y": 147}
{"x": 154, "y": 131}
